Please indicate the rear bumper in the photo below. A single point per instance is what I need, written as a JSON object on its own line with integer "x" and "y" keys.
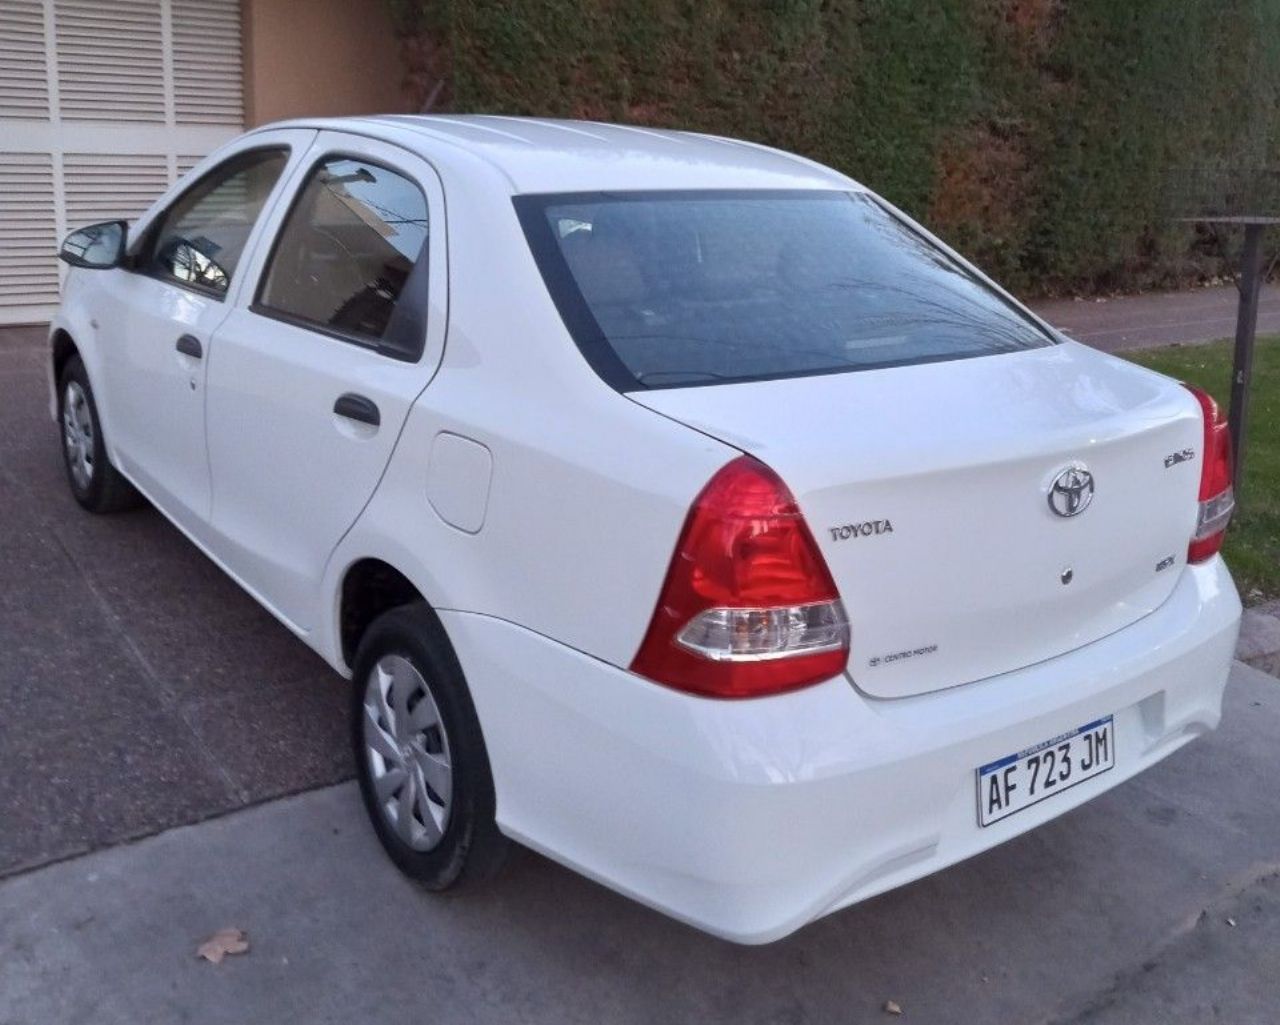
{"x": 749, "y": 819}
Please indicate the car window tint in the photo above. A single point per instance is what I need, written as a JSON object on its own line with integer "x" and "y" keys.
{"x": 202, "y": 237}
{"x": 347, "y": 249}
{"x": 677, "y": 289}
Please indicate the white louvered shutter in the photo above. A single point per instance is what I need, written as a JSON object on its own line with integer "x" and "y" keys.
{"x": 110, "y": 60}
{"x": 104, "y": 187}
{"x": 207, "y": 73}
{"x": 102, "y": 104}
{"x": 186, "y": 161}
{"x": 28, "y": 230}
{"x": 24, "y": 72}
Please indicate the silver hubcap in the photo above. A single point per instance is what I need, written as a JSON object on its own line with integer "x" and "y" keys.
{"x": 77, "y": 434}
{"x": 408, "y": 752}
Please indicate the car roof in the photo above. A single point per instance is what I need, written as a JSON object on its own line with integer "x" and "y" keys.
{"x": 549, "y": 155}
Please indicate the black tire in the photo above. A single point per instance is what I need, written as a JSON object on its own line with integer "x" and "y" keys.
{"x": 105, "y": 490}
{"x": 470, "y": 847}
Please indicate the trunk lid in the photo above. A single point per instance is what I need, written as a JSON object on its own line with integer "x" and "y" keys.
{"x": 927, "y": 488}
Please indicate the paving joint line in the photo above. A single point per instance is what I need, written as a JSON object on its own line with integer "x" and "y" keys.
{"x": 1087, "y": 1008}
{"x": 168, "y": 699}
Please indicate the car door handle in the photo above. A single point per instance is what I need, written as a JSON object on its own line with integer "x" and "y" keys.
{"x": 189, "y": 345}
{"x": 357, "y": 407}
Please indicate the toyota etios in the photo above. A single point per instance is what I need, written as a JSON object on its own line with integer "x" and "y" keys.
{"x": 677, "y": 506}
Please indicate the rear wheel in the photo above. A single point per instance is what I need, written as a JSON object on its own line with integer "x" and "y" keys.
{"x": 95, "y": 483}
{"x": 420, "y": 757}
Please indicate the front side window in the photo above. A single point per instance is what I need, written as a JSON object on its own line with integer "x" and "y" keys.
{"x": 201, "y": 238}
{"x": 346, "y": 252}
{"x": 675, "y": 289}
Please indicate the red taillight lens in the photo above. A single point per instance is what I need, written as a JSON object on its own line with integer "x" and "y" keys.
{"x": 1217, "y": 499}
{"x": 748, "y": 607}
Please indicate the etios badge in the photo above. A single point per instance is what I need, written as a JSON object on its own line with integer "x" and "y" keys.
{"x": 1071, "y": 491}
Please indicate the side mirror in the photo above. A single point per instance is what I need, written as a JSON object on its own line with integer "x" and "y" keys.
{"x": 99, "y": 246}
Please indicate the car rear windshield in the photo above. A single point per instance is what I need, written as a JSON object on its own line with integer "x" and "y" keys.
{"x": 673, "y": 289}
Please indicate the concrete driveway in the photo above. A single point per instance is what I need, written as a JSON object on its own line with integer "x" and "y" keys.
{"x": 1122, "y": 911}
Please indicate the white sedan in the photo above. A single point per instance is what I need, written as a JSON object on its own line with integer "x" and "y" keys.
{"x": 677, "y": 506}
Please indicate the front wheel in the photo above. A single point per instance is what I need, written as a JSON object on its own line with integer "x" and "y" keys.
{"x": 95, "y": 483}
{"x": 420, "y": 756}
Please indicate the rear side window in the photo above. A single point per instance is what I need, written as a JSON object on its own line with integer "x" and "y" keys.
{"x": 675, "y": 289}
{"x": 347, "y": 252}
{"x": 200, "y": 239}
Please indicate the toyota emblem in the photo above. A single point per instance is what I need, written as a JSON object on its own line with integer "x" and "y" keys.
{"x": 1071, "y": 491}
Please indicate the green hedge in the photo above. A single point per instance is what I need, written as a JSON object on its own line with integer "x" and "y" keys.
{"x": 1036, "y": 135}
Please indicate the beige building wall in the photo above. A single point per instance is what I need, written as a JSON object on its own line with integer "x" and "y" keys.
{"x": 319, "y": 57}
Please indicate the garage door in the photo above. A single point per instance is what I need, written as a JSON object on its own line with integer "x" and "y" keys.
{"x": 102, "y": 104}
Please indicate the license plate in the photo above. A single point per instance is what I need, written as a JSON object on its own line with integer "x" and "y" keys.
{"x": 1020, "y": 780}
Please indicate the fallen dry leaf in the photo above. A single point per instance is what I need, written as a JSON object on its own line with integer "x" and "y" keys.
{"x": 891, "y": 1007}
{"x": 222, "y": 943}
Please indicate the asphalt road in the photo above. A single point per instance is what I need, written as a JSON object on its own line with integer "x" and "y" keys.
{"x": 1158, "y": 318}
{"x": 139, "y": 687}
{"x": 141, "y": 690}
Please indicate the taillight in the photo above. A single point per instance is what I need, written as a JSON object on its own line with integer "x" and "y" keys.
{"x": 748, "y": 607}
{"x": 1217, "y": 499}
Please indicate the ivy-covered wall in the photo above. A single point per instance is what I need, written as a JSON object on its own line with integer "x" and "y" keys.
{"x": 1038, "y": 136}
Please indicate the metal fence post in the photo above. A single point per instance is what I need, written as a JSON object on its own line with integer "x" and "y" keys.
{"x": 1246, "y": 328}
